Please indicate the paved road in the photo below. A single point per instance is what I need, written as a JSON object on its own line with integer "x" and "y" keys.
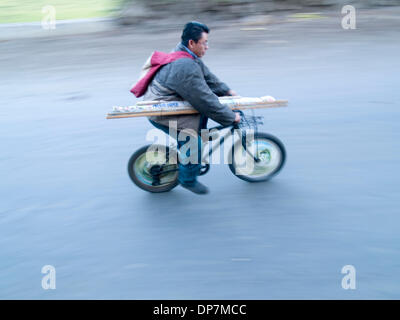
{"x": 66, "y": 199}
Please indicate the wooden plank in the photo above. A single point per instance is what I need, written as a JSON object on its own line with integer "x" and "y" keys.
{"x": 119, "y": 115}
{"x": 151, "y": 102}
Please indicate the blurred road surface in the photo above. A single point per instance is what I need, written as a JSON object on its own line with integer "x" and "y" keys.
{"x": 67, "y": 201}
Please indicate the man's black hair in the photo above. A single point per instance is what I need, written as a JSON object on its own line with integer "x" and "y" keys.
{"x": 193, "y": 31}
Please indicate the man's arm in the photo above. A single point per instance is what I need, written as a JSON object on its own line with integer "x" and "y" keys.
{"x": 190, "y": 84}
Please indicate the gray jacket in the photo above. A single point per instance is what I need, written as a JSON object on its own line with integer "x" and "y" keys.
{"x": 190, "y": 80}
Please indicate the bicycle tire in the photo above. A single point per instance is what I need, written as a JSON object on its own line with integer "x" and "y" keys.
{"x": 141, "y": 177}
{"x": 271, "y": 140}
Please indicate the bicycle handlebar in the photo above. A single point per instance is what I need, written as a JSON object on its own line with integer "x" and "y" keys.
{"x": 249, "y": 121}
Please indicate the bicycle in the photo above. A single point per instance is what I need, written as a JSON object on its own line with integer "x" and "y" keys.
{"x": 154, "y": 167}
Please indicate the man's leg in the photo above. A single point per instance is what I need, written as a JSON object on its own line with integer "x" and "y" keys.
{"x": 188, "y": 173}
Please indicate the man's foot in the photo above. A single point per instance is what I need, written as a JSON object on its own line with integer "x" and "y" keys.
{"x": 196, "y": 187}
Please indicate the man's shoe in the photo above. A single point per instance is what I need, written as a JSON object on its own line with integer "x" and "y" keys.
{"x": 196, "y": 187}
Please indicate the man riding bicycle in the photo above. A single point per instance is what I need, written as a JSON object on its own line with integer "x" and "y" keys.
{"x": 185, "y": 77}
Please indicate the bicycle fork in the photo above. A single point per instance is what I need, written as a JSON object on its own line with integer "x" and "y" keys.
{"x": 246, "y": 146}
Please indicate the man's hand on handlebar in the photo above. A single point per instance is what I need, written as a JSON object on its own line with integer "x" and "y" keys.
{"x": 237, "y": 117}
{"x": 232, "y": 93}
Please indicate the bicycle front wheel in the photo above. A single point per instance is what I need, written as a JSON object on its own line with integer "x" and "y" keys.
{"x": 267, "y": 149}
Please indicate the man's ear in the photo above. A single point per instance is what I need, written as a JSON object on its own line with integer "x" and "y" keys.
{"x": 191, "y": 43}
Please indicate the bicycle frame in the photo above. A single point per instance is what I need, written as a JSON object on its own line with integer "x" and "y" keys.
{"x": 230, "y": 133}
{"x": 241, "y": 135}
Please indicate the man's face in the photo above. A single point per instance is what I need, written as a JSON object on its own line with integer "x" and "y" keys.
{"x": 201, "y": 46}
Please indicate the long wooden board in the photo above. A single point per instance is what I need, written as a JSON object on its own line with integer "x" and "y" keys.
{"x": 118, "y": 115}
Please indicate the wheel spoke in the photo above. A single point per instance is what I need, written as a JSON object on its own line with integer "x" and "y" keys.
{"x": 142, "y": 169}
{"x": 266, "y": 151}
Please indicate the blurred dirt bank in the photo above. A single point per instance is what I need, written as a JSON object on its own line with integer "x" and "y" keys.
{"x": 317, "y": 16}
{"x": 138, "y": 11}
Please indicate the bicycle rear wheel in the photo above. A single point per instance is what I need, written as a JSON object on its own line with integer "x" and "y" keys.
{"x": 268, "y": 149}
{"x": 152, "y": 169}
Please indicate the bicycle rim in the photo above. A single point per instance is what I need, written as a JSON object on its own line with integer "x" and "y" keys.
{"x": 142, "y": 167}
{"x": 269, "y": 153}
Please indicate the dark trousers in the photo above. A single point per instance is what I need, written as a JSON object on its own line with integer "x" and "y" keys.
{"x": 187, "y": 172}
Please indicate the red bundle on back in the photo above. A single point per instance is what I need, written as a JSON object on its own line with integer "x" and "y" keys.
{"x": 152, "y": 65}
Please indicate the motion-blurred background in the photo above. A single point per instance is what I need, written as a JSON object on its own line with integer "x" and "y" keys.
{"x": 66, "y": 199}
